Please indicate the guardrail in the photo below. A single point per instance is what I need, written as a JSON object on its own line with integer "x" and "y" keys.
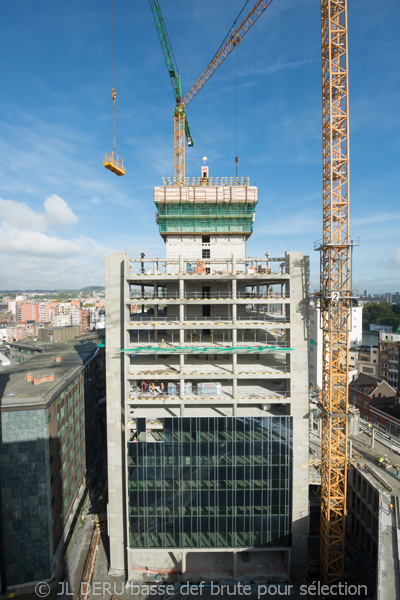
{"x": 390, "y": 440}
{"x": 89, "y": 565}
{"x": 139, "y": 395}
{"x": 381, "y": 481}
{"x": 256, "y": 319}
{"x": 207, "y": 296}
{"x": 155, "y": 374}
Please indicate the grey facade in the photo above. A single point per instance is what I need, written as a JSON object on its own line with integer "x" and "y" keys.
{"x": 207, "y": 397}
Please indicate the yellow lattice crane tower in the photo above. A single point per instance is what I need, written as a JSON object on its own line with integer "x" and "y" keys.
{"x": 336, "y": 293}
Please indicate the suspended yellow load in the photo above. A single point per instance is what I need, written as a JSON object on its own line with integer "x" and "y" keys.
{"x": 114, "y": 163}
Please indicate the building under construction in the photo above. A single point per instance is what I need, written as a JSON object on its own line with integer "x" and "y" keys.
{"x": 207, "y": 396}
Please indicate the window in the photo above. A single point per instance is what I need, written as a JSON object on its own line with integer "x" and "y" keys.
{"x": 205, "y": 239}
{"x": 205, "y": 253}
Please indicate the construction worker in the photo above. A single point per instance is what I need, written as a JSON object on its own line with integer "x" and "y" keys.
{"x": 381, "y": 461}
{"x": 397, "y": 470}
{"x": 162, "y": 388}
{"x": 390, "y": 507}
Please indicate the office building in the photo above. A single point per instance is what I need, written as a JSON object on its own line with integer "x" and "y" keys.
{"x": 207, "y": 396}
{"x": 49, "y": 430}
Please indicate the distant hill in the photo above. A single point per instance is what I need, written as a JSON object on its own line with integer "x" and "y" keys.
{"x": 89, "y": 288}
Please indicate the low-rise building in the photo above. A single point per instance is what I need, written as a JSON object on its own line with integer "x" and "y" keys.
{"x": 377, "y": 402}
{"x": 389, "y": 361}
{"x": 364, "y": 359}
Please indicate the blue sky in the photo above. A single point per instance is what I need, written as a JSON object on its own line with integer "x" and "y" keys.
{"x": 61, "y": 212}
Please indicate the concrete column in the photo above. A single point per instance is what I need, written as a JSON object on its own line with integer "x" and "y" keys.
{"x": 181, "y": 264}
{"x": 234, "y": 288}
{"x": 234, "y": 386}
{"x": 373, "y": 438}
{"x": 234, "y": 312}
{"x": 257, "y": 305}
{"x": 234, "y": 363}
{"x": 181, "y": 289}
{"x": 155, "y": 294}
{"x": 181, "y": 336}
{"x": 234, "y": 337}
{"x": 117, "y": 289}
{"x": 234, "y": 565}
{"x": 181, "y": 312}
{"x": 299, "y": 315}
{"x": 233, "y": 263}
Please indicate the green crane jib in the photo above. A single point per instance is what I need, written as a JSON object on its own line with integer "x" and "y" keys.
{"x": 170, "y": 61}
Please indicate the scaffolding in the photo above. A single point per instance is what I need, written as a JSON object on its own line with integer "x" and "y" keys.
{"x": 224, "y": 209}
{"x": 201, "y": 181}
{"x": 203, "y": 209}
{"x": 234, "y": 225}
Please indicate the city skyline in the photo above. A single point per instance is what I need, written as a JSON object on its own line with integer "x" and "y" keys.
{"x": 61, "y": 212}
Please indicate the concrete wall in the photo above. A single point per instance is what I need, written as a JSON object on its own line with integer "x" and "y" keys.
{"x": 299, "y": 340}
{"x": 190, "y": 246}
{"x": 117, "y": 269}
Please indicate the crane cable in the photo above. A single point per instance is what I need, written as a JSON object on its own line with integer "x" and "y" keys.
{"x": 230, "y": 30}
{"x": 113, "y": 92}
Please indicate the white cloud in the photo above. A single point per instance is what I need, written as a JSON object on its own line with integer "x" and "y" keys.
{"x": 32, "y": 255}
{"x": 18, "y": 215}
{"x": 58, "y": 212}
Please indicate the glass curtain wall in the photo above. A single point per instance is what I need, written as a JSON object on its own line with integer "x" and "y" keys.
{"x": 211, "y": 482}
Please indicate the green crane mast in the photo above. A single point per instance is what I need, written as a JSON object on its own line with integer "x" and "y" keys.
{"x": 170, "y": 62}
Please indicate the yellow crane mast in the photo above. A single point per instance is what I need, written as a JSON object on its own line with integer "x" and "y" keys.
{"x": 336, "y": 294}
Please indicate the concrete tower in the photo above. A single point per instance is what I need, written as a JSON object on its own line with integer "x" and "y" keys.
{"x": 207, "y": 396}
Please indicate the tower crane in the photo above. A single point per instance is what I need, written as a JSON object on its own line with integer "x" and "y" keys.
{"x": 336, "y": 294}
{"x": 180, "y": 121}
{"x": 170, "y": 61}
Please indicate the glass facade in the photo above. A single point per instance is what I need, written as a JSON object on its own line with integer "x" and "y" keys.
{"x": 211, "y": 482}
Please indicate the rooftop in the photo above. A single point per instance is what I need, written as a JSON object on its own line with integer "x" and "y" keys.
{"x": 53, "y": 374}
{"x": 366, "y": 384}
